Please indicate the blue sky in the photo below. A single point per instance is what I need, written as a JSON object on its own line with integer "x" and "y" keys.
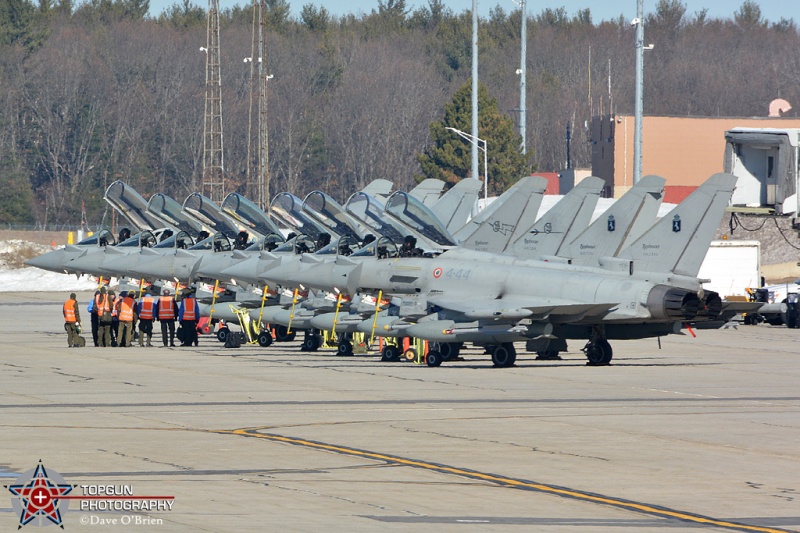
{"x": 772, "y": 10}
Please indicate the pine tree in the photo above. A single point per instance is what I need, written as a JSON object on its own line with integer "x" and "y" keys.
{"x": 448, "y": 157}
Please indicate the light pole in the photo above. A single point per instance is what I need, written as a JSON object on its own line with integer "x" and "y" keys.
{"x": 476, "y": 141}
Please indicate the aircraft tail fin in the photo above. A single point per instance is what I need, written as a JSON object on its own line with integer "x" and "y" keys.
{"x": 428, "y": 191}
{"x": 678, "y": 242}
{"x": 493, "y": 228}
{"x": 455, "y": 206}
{"x": 378, "y": 188}
{"x": 561, "y": 223}
{"x": 626, "y": 220}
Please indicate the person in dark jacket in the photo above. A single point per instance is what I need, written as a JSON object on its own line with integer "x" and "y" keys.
{"x": 94, "y": 317}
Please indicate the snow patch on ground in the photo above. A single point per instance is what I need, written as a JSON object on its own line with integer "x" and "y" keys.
{"x": 31, "y": 279}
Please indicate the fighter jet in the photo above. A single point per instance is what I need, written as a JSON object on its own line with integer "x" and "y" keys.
{"x": 128, "y": 203}
{"x": 648, "y": 290}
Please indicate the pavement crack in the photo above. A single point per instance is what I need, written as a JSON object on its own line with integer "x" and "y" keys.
{"x": 512, "y": 444}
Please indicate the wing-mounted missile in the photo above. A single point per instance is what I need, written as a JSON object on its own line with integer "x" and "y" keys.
{"x": 450, "y": 331}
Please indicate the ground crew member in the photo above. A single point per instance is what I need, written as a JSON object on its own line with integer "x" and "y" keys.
{"x": 72, "y": 321}
{"x": 189, "y": 314}
{"x": 147, "y": 312}
{"x": 167, "y": 312}
{"x": 102, "y": 306}
{"x": 93, "y": 317}
{"x": 115, "y": 303}
{"x": 127, "y": 316}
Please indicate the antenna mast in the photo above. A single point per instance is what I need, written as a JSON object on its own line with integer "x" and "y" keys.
{"x": 213, "y": 167}
{"x": 258, "y": 169}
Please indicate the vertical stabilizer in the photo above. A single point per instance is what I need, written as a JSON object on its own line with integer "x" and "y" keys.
{"x": 678, "y": 242}
{"x": 379, "y": 188}
{"x": 492, "y": 229}
{"x": 428, "y": 191}
{"x": 622, "y": 223}
{"x": 563, "y": 222}
{"x": 455, "y": 206}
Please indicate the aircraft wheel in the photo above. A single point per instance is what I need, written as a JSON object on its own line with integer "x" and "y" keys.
{"x": 548, "y": 355}
{"x": 311, "y": 343}
{"x": 345, "y": 348}
{"x": 449, "y": 350}
{"x": 599, "y": 352}
{"x": 390, "y": 353}
{"x": 504, "y": 355}
{"x": 282, "y": 334}
{"x": 222, "y": 334}
{"x": 410, "y": 354}
{"x": 264, "y": 339}
{"x": 434, "y": 358}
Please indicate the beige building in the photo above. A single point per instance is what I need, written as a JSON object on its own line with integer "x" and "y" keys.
{"x": 683, "y": 150}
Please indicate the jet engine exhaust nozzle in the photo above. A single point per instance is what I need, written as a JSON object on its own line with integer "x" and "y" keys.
{"x": 671, "y": 303}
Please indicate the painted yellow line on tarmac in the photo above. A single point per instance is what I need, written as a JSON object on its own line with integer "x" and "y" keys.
{"x": 502, "y": 480}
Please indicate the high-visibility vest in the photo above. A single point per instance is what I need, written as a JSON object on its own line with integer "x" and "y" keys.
{"x": 126, "y": 309}
{"x": 188, "y": 309}
{"x": 147, "y": 308}
{"x": 101, "y": 304}
{"x": 69, "y": 311}
{"x": 166, "y": 308}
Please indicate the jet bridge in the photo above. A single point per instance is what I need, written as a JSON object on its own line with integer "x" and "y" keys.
{"x": 766, "y": 162}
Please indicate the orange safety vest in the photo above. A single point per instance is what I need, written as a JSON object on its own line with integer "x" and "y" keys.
{"x": 126, "y": 309}
{"x": 101, "y": 304}
{"x": 188, "y": 309}
{"x": 166, "y": 308}
{"x": 147, "y": 308}
{"x": 69, "y": 311}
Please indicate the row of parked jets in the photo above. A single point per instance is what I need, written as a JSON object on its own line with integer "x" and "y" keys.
{"x": 421, "y": 264}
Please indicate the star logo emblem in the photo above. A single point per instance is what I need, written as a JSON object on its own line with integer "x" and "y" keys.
{"x": 37, "y": 495}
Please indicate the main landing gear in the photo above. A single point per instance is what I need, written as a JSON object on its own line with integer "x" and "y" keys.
{"x": 504, "y": 355}
{"x": 598, "y": 351}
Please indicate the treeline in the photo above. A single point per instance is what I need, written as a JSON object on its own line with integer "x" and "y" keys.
{"x": 99, "y": 91}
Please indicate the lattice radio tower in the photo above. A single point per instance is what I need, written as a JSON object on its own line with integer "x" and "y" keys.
{"x": 258, "y": 156}
{"x": 213, "y": 162}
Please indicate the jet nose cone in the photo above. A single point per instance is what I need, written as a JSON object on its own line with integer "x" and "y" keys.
{"x": 52, "y": 261}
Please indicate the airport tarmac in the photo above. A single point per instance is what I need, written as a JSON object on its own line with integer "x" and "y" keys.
{"x": 703, "y": 433}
